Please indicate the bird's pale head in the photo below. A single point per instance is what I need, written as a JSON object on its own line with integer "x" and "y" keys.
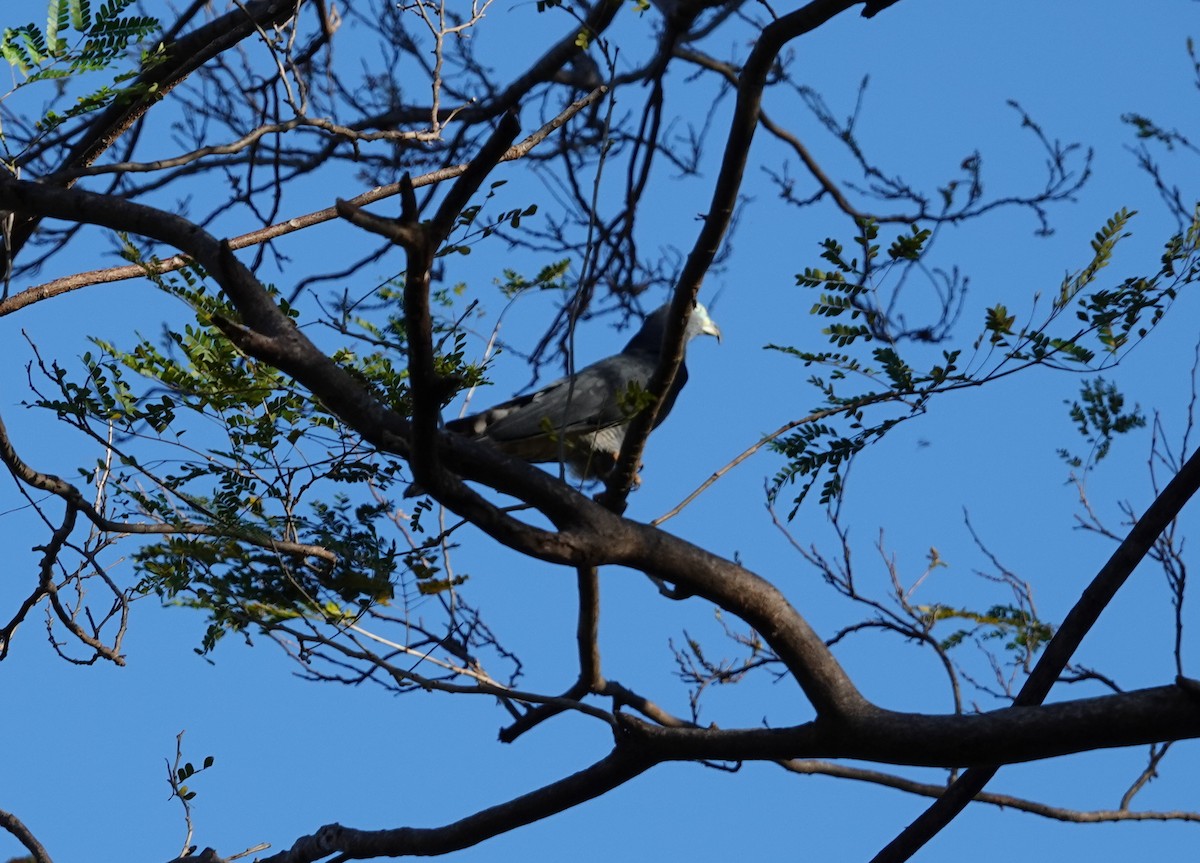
{"x": 701, "y": 324}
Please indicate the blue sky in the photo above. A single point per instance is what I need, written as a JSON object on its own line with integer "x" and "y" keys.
{"x": 82, "y": 757}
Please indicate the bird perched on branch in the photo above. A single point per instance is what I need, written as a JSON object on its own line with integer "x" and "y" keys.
{"x": 582, "y": 419}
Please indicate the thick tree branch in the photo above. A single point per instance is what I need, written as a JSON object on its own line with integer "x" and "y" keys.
{"x": 610, "y": 772}
{"x": 421, "y": 240}
{"x": 743, "y": 124}
{"x": 1015, "y": 734}
{"x": 595, "y": 536}
{"x": 271, "y": 336}
{"x": 587, "y": 639}
{"x": 22, "y": 834}
{"x": 1010, "y": 736}
{"x": 1099, "y": 593}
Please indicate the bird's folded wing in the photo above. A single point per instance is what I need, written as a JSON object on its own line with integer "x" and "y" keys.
{"x": 595, "y": 398}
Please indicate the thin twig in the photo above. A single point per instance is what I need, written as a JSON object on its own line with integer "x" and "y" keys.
{"x": 37, "y": 293}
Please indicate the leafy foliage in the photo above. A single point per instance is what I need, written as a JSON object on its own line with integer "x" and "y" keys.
{"x": 1100, "y": 415}
{"x": 239, "y": 584}
{"x": 1017, "y": 627}
{"x": 471, "y": 228}
{"x": 1107, "y": 322}
{"x": 261, "y": 527}
{"x": 102, "y": 39}
{"x": 551, "y": 277}
{"x": 186, "y": 772}
{"x": 248, "y": 500}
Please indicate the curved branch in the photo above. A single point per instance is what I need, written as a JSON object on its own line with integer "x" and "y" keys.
{"x": 179, "y": 60}
{"x": 742, "y": 127}
{"x": 421, "y": 241}
{"x": 1075, "y": 626}
{"x": 542, "y": 70}
{"x": 1023, "y": 733}
{"x": 814, "y": 767}
{"x": 589, "y": 534}
{"x": 1010, "y": 735}
{"x": 245, "y": 142}
{"x": 77, "y": 502}
{"x": 17, "y": 828}
{"x": 606, "y": 774}
{"x": 46, "y": 290}
{"x": 587, "y": 637}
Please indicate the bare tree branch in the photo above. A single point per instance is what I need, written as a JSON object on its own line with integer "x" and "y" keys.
{"x": 22, "y": 834}
{"x": 1075, "y": 626}
{"x": 610, "y": 772}
{"x": 46, "y": 290}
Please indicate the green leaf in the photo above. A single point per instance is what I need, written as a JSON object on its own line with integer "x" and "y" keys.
{"x": 58, "y": 18}
{"x": 999, "y": 323}
{"x": 908, "y": 247}
{"x": 81, "y": 15}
